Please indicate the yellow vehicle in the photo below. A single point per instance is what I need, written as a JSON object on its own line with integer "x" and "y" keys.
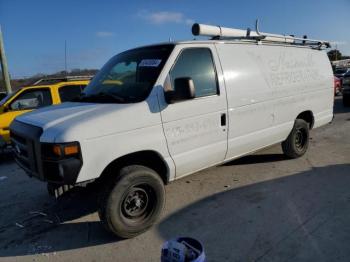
{"x": 44, "y": 92}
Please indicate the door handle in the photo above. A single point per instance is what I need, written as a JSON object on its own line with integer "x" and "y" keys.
{"x": 223, "y": 119}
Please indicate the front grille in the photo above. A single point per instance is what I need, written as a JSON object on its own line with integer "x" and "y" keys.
{"x": 26, "y": 147}
{"x": 24, "y": 151}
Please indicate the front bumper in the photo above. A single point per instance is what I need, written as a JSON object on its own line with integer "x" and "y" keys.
{"x": 28, "y": 152}
{"x": 4, "y": 135}
{"x": 64, "y": 172}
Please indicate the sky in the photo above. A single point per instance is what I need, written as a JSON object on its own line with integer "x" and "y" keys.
{"x": 35, "y": 31}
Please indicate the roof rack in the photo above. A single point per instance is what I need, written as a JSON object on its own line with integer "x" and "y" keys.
{"x": 62, "y": 79}
{"x": 224, "y": 33}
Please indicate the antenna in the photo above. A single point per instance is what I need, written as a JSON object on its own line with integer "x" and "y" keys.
{"x": 65, "y": 57}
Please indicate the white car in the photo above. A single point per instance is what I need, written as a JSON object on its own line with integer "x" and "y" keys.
{"x": 158, "y": 113}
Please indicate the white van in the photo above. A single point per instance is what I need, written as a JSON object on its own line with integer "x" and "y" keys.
{"x": 161, "y": 112}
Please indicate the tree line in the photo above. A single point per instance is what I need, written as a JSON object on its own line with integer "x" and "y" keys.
{"x": 27, "y": 81}
{"x": 335, "y": 54}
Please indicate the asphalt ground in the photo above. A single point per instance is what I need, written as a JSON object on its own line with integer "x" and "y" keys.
{"x": 262, "y": 207}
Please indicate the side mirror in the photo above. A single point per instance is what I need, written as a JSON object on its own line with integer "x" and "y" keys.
{"x": 183, "y": 90}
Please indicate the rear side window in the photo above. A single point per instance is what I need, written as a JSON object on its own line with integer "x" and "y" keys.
{"x": 32, "y": 99}
{"x": 197, "y": 63}
{"x": 68, "y": 93}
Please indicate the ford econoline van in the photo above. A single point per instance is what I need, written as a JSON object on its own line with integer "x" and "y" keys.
{"x": 158, "y": 113}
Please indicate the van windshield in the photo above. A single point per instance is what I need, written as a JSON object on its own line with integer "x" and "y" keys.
{"x": 127, "y": 77}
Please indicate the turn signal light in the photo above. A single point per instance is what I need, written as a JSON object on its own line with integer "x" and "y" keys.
{"x": 65, "y": 150}
{"x": 71, "y": 150}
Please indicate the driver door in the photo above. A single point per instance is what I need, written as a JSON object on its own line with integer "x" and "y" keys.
{"x": 196, "y": 129}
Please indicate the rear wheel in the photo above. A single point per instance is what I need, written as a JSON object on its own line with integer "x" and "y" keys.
{"x": 297, "y": 142}
{"x": 133, "y": 203}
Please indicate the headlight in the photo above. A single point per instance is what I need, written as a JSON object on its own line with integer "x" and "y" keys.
{"x": 61, "y": 162}
{"x": 59, "y": 151}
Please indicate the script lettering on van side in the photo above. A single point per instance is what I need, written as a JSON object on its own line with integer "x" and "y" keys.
{"x": 294, "y": 77}
{"x": 287, "y": 68}
{"x": 192, "y": 130}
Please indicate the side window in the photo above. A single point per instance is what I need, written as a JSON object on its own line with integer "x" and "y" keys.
{"x": 197, "y": 63}
{"x": 32, "y": 99}
{"x": 68, "y": 93}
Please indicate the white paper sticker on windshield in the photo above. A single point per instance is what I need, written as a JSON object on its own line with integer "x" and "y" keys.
{"x": 150, "y": 62}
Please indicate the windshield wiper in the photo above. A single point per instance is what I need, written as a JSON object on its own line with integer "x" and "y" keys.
{"x": 114, "y": 96}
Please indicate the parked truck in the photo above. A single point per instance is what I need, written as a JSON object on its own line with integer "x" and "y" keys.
{"x": 44, "y": 92}
{"x": 158, "y": 113}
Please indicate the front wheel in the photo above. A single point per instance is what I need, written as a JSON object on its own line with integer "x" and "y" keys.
{"x": 297, "y": 142}
{"x": 134, "y": 202}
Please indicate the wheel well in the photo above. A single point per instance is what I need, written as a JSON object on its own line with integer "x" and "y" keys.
{"x": 150, "y": 159}
{"x": 308, "y": 117}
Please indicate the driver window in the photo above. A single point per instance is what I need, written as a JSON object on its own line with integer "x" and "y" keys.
{"x": 32, "y": 99}
{"x": 196, "y": 63}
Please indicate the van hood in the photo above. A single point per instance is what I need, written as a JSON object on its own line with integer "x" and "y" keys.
{"x": 75, "y": 121}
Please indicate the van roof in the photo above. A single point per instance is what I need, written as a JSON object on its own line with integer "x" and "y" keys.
{"x": 227, "y": 41}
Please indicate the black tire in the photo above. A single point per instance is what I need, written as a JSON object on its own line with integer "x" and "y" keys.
{"x": 297, "y": 142}
{"x": 346, "y": 100}
{"x": 133, "y": 203}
